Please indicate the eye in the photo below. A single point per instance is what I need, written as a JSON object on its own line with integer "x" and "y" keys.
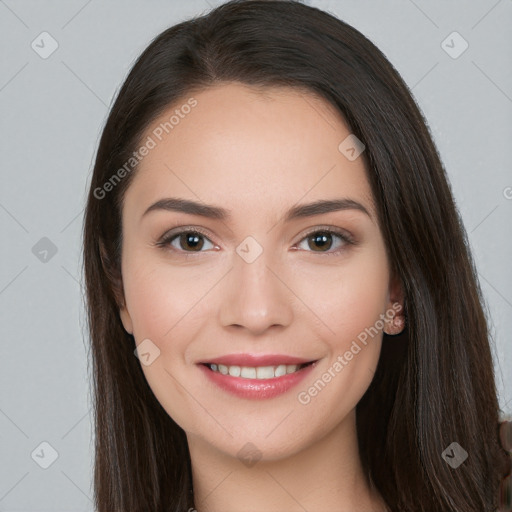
{"x": 193, "y": 240}
{"x": 187, "y": 240}
{"x": 322, "y": 238}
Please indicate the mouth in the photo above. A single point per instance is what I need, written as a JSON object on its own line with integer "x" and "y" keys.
{"x": 257, "y": 372}
{"x": 257, "y": 382}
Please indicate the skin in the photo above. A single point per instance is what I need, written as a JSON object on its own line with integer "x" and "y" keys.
{"x": 258, "y": 153}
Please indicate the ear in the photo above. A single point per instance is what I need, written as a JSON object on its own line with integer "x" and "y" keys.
{"x": 395, "y": 312}
{"x": 115, "y": 281}
{"x": 126, "y": 319}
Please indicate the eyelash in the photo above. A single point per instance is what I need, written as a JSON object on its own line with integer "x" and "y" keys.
{"x": 165, "y": 241}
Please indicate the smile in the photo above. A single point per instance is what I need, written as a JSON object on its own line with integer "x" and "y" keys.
{"x": 256, "y": 382}
{"x": 258, "y": 372}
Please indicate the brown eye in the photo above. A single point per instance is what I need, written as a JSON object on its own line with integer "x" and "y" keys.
{"x": 322, "y": 241}
{"x": 186, "y": 241}
{"x": 191, "y": 240}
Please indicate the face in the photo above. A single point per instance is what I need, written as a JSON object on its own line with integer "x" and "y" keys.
{"x": 259, "y": 280}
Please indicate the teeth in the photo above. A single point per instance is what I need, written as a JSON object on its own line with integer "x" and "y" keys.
{"x": 248, "y": 373}
{"x": 234, "y": 371}
{"x": 280, "y": 370}
{"x": 263, "y": 372}
{"x": 259, "y": 372}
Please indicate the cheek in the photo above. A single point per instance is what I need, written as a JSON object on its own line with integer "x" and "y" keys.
{"x": 161, "y": 308}
{"x": 348, "y": 298}
{"x": 159, "y": 298}
{"x": 351, "y": 304}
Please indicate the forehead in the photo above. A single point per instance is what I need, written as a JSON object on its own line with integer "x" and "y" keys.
{"x": 249, "y": 150}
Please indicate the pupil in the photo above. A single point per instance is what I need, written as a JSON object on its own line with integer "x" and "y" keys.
{"x": 193, "y": 240}
{"x": 322, "y": 238}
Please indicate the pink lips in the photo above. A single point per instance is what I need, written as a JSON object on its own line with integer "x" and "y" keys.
{"x": 256, "y": 388}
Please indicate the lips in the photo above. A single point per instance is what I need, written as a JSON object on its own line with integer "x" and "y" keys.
{"x": 254, "y": 360}
{"x": 256, "y": 388}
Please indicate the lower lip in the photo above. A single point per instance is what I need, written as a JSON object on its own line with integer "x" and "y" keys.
{"x": 257, "y": 388}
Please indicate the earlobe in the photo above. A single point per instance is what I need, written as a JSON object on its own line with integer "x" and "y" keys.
{"x": 396, "y": 324}
{"x": 395, "y": 314}
{"x": 126, "y": 319}
{"x": 113, "y": 275}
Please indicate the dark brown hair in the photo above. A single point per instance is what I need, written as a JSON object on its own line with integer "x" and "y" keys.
{"x": 434, "y": 383}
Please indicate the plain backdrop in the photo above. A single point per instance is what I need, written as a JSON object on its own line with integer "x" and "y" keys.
{"x": 53, "y": 108}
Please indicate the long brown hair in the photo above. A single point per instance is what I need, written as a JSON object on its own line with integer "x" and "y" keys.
{"x": 434, "y": 383}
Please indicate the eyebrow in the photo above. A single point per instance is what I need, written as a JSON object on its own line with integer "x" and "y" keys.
{"x": 216, "y": 212}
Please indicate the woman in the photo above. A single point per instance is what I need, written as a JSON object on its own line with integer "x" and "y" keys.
{"x": 237, "y": 364}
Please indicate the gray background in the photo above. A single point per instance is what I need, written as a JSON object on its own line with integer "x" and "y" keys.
{"x": 52, "y": 112}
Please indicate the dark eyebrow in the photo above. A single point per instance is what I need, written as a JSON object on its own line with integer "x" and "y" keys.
{"x": 216, "y": 212}
{"x": 324, "y": 206}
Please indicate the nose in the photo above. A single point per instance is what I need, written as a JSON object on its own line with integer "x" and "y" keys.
{"x": 256, "y": 296}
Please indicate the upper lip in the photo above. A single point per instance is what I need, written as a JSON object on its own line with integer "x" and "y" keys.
{"x": 257, "y": 360}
